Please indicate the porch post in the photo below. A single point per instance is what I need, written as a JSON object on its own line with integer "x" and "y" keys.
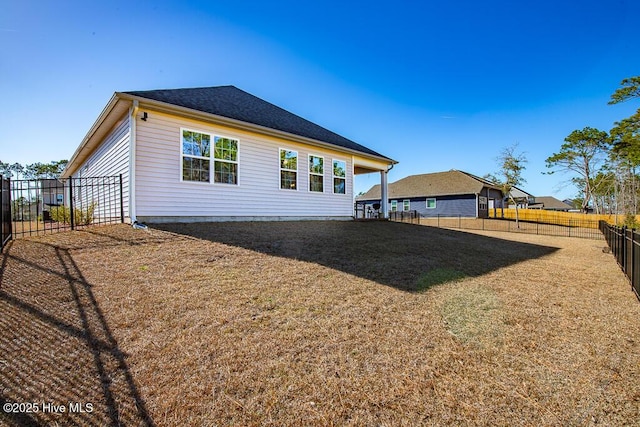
{"x": 384, "y": 194}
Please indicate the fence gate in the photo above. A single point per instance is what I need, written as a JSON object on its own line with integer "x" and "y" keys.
{"x": 41, "y": 206}
{"x": 5, "y": 194}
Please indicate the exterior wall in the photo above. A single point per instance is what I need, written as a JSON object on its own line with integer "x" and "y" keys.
{"x": 111, "y": 158}
{"x": 160, "y": 192}
{"x": 461, "y": 205}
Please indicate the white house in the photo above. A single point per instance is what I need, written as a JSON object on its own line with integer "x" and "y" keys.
{"x": 219, "y": 153}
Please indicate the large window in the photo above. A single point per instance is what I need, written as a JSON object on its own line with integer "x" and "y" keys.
{"x": 288, "y": 169}
{"x": 431, "y": 203}
{"x": 316, "y": 174}
{"x": 197, "y": 158}
{"x": 339, "y": 177}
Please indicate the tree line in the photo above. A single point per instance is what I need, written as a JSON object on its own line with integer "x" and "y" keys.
{"x": 33, "y": 171}
{"x": 604, "y": 164}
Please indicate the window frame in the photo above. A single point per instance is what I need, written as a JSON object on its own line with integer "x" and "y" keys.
{"x": 281, "y": 169}
{"x": 334, "y": 176}
{"x": 435, "y": 203}
{"x": 393, "y": 206}
{"x": 211, "y": 158}
{"x": 235, "y": 162}
{"x": 406, "y": 205}
{"x": 191, "y": 156}
{"x": 312, "y": 174}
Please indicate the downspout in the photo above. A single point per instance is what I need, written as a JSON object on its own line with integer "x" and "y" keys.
{"x": 133, "y": 113}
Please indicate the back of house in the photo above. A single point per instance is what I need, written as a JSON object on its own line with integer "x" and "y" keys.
{"x": 219, "y": 153}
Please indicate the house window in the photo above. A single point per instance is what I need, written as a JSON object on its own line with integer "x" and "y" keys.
{"x": 196, "y": 153}
{"x": 406, "y": 205}
{"x": 339, "y": 176}
{"x": 196, "y": 158}
{"x": 394, "y": 206}
{"x": 288, "y": 169}
{"x": 431, "y": 203}
{"x": 482, "y": 202}
{"x": 225, "y": 165}
{"x": 316, "y": 174}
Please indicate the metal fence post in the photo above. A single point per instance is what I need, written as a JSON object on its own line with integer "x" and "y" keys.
{"x": 71, "y": 218}
{"x": 633, "y": 257}
{"x": 122, "y": 202}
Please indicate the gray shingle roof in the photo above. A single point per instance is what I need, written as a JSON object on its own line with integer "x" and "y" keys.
{"x": 432, "y": 184}
{"x": 234, "y": 103}
{"x": 551, "y": 203}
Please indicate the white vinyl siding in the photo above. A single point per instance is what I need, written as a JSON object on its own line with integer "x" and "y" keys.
{"x": 160, "y": 192}
{"x": 111, "y": 158}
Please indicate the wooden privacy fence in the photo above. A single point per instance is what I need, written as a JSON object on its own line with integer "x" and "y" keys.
{"x": 569, "y": 219}
{"x": 625, "y": 246}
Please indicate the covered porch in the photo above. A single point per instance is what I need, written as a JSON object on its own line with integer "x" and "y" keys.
{"x": 362, "y": 166}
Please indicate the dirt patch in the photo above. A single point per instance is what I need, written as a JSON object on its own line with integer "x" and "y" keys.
{"x": 318, "y": 324}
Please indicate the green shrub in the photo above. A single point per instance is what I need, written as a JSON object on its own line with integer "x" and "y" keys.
{"x": 80, "y": 216}
{"x": 60, "y": 214}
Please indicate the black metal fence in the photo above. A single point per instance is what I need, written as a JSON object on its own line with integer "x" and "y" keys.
{"x": 5, "y": 195}
{"x": 570, "y": 229}
{"x": 412, "y": 217}
{"x": 625, "y": 246}
{"x": 43, "y": 206}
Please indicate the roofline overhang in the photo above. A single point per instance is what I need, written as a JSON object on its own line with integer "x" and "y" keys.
{"x": 165, "y": 107}
{"x": 110, "y": 114}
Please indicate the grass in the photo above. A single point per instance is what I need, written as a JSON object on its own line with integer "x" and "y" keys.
{"x": 316, "y": 323}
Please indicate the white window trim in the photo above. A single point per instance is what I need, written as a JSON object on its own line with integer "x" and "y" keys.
{"x": 407, "y": 201}
{"x": 314, "y": 173}
{"x": 435, "y": 203}
{"x": 212, "y": 160}
{"x": 280, "y": 169}
{"x": 393, "y": 206}
{"x": 333, "y": 186}
{"x": 236, "y": 162}
{"x": 182, "y": 156}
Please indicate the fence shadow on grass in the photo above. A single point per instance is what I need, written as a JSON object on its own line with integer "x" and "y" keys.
{"x": 393, "y": 254}
{"x": 56, "y": 347}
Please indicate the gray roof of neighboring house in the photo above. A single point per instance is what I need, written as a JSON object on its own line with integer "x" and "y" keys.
{"x": 551, "y": 203}
{"x": 233, "y": 103}
{"x": 449, "y": 183}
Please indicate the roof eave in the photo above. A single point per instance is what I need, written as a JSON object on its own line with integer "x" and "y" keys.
{"x": 110, "y": 114}
{"x": 169, "y": 108}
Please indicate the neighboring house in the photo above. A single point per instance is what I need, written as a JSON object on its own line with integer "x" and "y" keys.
{"x": 522, "y": 198}
{"x": 549, "y": 203}
{"x": 52, "y": 193}
{"x": 219, "y": 153}
{"x": 452, "y": 193}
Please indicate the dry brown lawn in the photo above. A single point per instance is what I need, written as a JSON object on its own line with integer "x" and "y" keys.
{"x": 317, "y": 323}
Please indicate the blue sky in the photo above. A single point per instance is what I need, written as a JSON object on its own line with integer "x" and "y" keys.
{"x": 435, "y": 85}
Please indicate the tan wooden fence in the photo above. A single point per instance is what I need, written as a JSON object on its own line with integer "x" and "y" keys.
{"x": 559, "y": 218}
